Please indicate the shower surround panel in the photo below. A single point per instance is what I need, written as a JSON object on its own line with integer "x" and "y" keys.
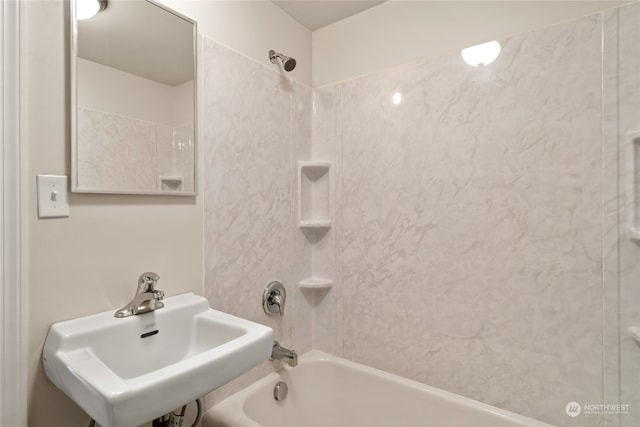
{"x": 472, "y": 223}
{"x": 249, "y": 114}
{"x": 622, "y": 31}
{"x": 468, "y": 217}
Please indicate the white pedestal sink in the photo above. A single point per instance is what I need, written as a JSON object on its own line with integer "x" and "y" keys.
{"x": 124, "y": 372}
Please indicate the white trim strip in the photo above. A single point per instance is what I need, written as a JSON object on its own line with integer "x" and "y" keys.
{"x": 12, "y": 385}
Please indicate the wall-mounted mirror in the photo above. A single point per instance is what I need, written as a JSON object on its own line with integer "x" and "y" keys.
{"x": 133, "y": 101}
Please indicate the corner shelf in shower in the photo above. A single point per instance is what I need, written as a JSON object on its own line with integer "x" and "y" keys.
{"x": 317, "y": 225}
{"x": 316, "y": 283}
{"x": 314, "y": 195}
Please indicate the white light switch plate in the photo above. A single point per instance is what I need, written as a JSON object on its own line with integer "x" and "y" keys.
{"x": 53, "y": 197}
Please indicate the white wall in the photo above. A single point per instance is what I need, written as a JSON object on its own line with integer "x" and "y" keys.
{"x": 252, "y": 28}
{"x": 396, "y": 32}
{"x": 90, "y": 261}
{"x": 182, "y": 108}
{"x": 113, "y": 91}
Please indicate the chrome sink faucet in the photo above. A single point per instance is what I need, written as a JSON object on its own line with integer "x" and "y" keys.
{"x": 290, "y": 357}
{"x": 147, "y": 297}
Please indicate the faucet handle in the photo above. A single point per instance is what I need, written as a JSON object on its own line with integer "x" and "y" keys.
{"x": 147, "y": 281}
{"x": 274, "y": 298}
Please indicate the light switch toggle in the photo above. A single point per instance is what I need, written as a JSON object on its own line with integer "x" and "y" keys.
{"x": 52, "y": 196}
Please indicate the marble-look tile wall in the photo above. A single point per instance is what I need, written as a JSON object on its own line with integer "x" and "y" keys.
{"x": 622, "y": 31}
{"x": 125, "y": 153}
{"x": 475, "y": 237}
{"x": 120, "y": 152}
{"x": 255, "y": 120}
{"x": 472, "y": 222}
{"x": 610, "y": 226}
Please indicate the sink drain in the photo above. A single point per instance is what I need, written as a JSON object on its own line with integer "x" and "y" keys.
{"x": 280, "y": 391}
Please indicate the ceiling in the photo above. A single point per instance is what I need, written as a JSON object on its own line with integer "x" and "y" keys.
{"x": 315, "y": 14}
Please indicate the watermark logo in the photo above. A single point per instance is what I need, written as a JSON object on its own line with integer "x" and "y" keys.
{"x": 573, "y": 409}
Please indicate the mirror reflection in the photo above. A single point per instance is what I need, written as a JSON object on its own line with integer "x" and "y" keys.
{"x": 134, "y": 127}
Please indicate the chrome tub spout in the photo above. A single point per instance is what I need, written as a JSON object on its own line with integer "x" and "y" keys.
{"x": 290, "y": 357}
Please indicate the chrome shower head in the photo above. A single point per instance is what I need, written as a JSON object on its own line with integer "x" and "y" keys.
{"x": 288, "y": 63}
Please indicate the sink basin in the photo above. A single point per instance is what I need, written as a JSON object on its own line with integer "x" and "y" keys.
{"x": 124, "y": 372}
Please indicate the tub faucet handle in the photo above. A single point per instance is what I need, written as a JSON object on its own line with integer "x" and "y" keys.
{"x": 274, "y": 298}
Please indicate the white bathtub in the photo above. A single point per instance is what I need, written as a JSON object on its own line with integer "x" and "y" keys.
{"x": 328, "y": 391}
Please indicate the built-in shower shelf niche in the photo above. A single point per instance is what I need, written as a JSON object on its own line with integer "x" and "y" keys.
{"x": 316, "y": 284}
{"x": 314, "y": 195}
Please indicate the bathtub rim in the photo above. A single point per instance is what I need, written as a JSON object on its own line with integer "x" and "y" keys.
{"x": 227, "y": 410}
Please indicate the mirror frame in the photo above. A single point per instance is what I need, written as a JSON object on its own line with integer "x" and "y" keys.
{"x": 75, "y": 188}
